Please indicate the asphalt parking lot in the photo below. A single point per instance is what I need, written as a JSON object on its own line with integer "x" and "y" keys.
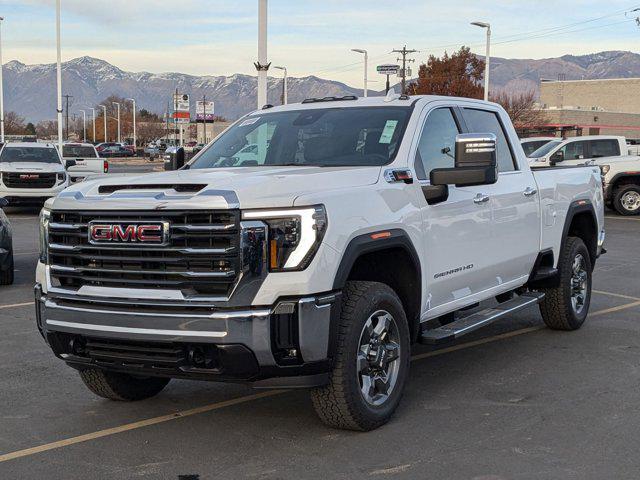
{"x": 516, "y": 401}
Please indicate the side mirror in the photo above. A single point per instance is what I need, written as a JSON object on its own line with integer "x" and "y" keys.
{"x": 69, "y": 163}
{"x": 3, "y": 202}
{"x": 180, "y": 157}
{"x": 556, "y": 157}
{"x": 475, "y": 162}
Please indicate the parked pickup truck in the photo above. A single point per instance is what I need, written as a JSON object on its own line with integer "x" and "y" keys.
{"x": 578, "y": 150}
{"x": 83, "y": 161}
{"x": 621, "y": 179}
{"x": 362, "y": 227}
{"x": 31, "y": 172}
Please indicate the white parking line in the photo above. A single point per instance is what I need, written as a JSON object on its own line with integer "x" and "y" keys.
{"x": 24, "y": 253}
{"x": 14, "y": 305}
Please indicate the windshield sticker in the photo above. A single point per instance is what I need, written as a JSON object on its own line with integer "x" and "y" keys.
{"x": 387, "y": 133}
{"x": 249, "y": 121}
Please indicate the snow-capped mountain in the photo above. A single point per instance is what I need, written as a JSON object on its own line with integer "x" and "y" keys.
{"x": 30, "y": 89}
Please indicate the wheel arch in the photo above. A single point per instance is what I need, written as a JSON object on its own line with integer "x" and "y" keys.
{"x": 389, "y": 257}
{"x": 581, "y": 222}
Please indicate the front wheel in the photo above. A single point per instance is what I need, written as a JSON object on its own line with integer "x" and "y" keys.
{"x": 626, "y": 200}
{"x": 565, "y": 307}
{"x": 121, "y": 386}
{"x": 371, "y": 360}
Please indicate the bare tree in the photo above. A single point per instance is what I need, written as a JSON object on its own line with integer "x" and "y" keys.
{"x": 13, "y": 124}
{"x": 522, "y": 108}
{"x": 47, "y": 129}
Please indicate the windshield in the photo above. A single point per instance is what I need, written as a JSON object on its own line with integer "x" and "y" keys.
{"x": 29, "y": 154}
{"x": 532, "y": 145}
{"x": 353, "y": 136}
{"x": 545, "y": 149}
{"x": 78, "y": 151}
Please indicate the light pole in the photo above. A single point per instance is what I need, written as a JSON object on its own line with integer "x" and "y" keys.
{"x": 118, "y": 105}
{"x": 104, "y": 110}
{"x": 366, "y": 59}
{"x": 135, "y": 143}
{"x": 1, "y": 88}
{"x": 59, "y": 75}
{"x": 262, "y": 66}
{"x": 284, "y": 85}
{"x": 93, "y": 111}
{"x": 487, "y": 57}
{"x": 84, "y": 125}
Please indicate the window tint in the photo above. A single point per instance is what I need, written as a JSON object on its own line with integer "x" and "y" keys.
{"x": 437, "y": 145}
{"x": 604, "y": 148}
{"x": 530, "y": 147}
{"x": 482, "y": 121}
{"x": 573, "y": 151}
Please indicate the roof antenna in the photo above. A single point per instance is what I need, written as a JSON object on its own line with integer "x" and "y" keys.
{"x": 391, "y": 95}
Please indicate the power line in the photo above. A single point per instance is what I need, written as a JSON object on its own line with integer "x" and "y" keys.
{"x": 403, "y": 73}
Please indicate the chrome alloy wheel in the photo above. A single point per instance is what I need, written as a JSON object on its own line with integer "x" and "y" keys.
{"x": 579, "y": 283}
{"x": 378, "y": 357}
{"x": 631, "y": 201}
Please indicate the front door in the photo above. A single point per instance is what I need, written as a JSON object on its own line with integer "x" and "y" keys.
{"x": 458, "y": 244}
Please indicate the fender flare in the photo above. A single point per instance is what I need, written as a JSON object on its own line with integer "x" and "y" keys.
{"x": 363, "y": 244}
{"x": 616, "y": 178}
{"x": 577, "y": 207}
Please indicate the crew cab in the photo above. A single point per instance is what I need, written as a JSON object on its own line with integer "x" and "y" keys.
{"x": 578, "y": 150}
{"x": 81, "y": 160}
{"x": 31, "y": 172}
{"x": 361, "y": 227}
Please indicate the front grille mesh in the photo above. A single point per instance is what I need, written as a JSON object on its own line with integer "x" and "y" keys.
{"x": 28, "y": 179}
{"x": 202, "y": 257}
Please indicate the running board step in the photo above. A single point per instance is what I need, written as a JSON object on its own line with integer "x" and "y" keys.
{"x": 465, "y": 325}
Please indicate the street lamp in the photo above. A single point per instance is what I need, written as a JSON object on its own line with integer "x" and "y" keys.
{"x": 104, "y": 109}
{"x": 1, "y": 88}
{"x": 133, "y": 100}
{"x": 84, "y": 125}
{"x": 93, "y": 111}
{"x": 59, "y": 75}
{"x": 116, "y": 103}
{"x": 487, "y": 57}
{"x": 284, "y": 85}
{"x": 366, "y": 58}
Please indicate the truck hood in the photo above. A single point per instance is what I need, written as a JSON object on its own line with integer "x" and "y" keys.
{"x": 31, "y": 167}
{"x": 244, "y": 187}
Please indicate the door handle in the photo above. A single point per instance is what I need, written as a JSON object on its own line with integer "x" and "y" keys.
{"x": 481, "y": 198}
{"x": 529, "y": 191}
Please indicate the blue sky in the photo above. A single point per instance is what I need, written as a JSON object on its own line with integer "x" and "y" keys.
{"x": 308, "y": 36}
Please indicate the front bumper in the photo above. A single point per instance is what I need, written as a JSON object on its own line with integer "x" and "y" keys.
{"x": 283, "y": 345}
{"x": 27, "y": 195}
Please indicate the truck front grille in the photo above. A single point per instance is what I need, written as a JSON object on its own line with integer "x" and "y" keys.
{"x": 202, "y": 256}
{"x": 28, "y": 179}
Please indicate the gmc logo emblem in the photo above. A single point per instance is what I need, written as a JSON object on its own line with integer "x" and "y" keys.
{"x": 130, "y": 233}
{"x": 27, "y": 176}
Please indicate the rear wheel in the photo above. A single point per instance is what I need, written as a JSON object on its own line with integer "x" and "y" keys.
{"x": 7, "y": 275}
{"x": 371, "y": 362}
{"x": 121, "y": 386}
{"x": 626, "y": 199}
{"x": 565, "y": 307}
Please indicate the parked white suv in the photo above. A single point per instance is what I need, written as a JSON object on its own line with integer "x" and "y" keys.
{"x": 31, "y": 172}
{"x": 362, "y": 226}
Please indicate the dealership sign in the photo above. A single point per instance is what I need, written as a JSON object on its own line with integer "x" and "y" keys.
{"x": 388, "y": 69}
{"x": 204, "y": 111}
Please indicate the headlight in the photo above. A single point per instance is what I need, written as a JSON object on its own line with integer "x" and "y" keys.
{"x": 605, "y": 169}
{"x": 294, "y": 235}
{"x": 45, "y": 215}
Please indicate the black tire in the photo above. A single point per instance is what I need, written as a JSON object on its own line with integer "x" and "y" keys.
{"x": 121, "y": 386}
{"x": 7, "y": 276}
{"x": 341, "y": 404}
{"x": 623, "y": 207}
{"x": 558, "y": 310}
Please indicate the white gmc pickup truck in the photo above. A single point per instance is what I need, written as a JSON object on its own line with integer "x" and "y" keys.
{"x": 361, "y": 227}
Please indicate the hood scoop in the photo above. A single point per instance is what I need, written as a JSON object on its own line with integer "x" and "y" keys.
{"x": 179, "y": 187}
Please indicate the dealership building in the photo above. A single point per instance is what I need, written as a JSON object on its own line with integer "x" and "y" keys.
{"x": 592, "y": 107}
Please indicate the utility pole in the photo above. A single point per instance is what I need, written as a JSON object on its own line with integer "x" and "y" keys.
{"x": 93, "y": 112}
{"x": 84, "y": 125}
{"x": 135, "y": 137}
{"x": 204, "y": 118}
{"x": 403, "y": 73}
{"x": 66, "y": 115}
{"x": 117, "y": 104}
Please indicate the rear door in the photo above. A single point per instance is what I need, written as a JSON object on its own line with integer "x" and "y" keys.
{"x": 515, "y": 218}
